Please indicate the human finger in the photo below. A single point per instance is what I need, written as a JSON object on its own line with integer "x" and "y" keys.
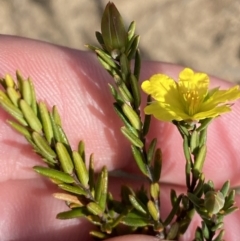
{"x": 78, "y": 86}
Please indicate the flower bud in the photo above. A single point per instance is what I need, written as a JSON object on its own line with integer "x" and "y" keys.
{"x": 114, "y": 33}
{"x": 214, "y": 201}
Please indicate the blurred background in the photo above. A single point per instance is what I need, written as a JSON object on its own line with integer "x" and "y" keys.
{"x": 202, "y": 34}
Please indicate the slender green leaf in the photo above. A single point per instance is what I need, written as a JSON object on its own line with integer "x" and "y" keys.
{"x": 147, "y": 119}
{"x": 157, "y": 165}
{"x": 106, "y": 66}
{"x": 125, "y": 66}
{"x": 91, "y": 174}
{"x": 135, "y": 91}
{"x": 136, "y": 219}
{"x": 229, "y": 200}
{"x": 205, "y": 230}
{"x": 184, "y": 223}
{"x": 155, "y": 191}
{"x": 106, "y": 58}
{"x": 125, "y": 93}
{"x": 91, "y": 47}
{"x": 56, "y": 116}
{"x": 52, "y": 173}
{"x": 9, "y": 81}
{"x": 137, "y": 204}
{"x": 81, "y": 150}
{"x": 219, "y": 236}
{"x": 173, "y": 197}
{"x": 173, "y": 232}
{"x": 137, "y": 64}
{"x": 153, "y": 210}
{"x": 131, "y": 30}
{"x": 131, "y": 137}
{"x": 19, "y": 128}
{"x": 99, "y": 38}
{"x": 126, "y": 191}
{"x": 194, "y": 141}
{"x": 94, "y": 208}
{"x": 46, "y": 122}
{"x": 202, "y": 137}
{"x": 72, "y": 189}
{"x": 45, "y": 150}
{"x": 173, "y": 211}
{"x": 204, "y": 124}
{"x": 63, "y": 137}
{"x": 101, "y": 188}
{"x": 151, "y": 150}
{"x": 30, "y": 116}
{"x": 98, "y": 235}
{"x": 33, "y": 95}
{"x": 103, "y": 199}
{"x": 74, "y": 213}
{"x": 55, "y": 128}
{"x": 186, "y": 149}
{"x": 182, "y": 129}
{"x": 126, "y": 122}
{"x": 194, "y": 199}
{"x": 64, "y": 158}
{"x": 134, "y": 47}
{"x": 199, "y": 188}
{"x": 118, "y": 219}
{"x": 198, "y": 164}
{"x": 198, "y": 235}
{"x": 80, "y": 168}
{"x": 19, "y": 80}
{"x": 217, "y": 227}
{"x": 26, "y": 92}
{"x": 68, "y": 198}
{"x": 139, "y": 160}
{"x": 230, "y": 210}
{"x": 11, "y": 108}
{"x": 115, "y": 94}
{"x": 225, "y": 188}
{"x": 13, "y": 95}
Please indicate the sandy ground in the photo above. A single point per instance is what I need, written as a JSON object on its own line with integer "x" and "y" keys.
{"x": 203, "y": 34}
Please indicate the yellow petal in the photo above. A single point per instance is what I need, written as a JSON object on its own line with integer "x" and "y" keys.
{"x": 163, "y": 89}
{"x": 211, "y": 113}
{"x": 158, "y": 86}
{"x": 219, "y": 97}
{"x": 196, "y": 83}
{"x": 222, "y": 96}
{"x": 186, "y": 74}
{"x": 165, "y": 113}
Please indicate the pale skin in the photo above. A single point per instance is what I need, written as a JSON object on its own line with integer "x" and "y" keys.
{"x": 75, "y": 82}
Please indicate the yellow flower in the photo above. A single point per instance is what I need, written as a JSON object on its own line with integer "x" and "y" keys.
{"x": 188, "y": 99}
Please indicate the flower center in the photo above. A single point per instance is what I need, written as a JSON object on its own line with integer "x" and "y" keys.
{"x": 191, "y": 101}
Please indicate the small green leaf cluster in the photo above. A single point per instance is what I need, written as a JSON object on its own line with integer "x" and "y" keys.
{"x": 212, "y": 208}
{"x": 84, "y": 194}
{"x": 211, "y": 204}
{"x": 126, "y": 91}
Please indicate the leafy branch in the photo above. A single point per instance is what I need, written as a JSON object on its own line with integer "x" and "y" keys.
{"x": 86, "y": 192}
